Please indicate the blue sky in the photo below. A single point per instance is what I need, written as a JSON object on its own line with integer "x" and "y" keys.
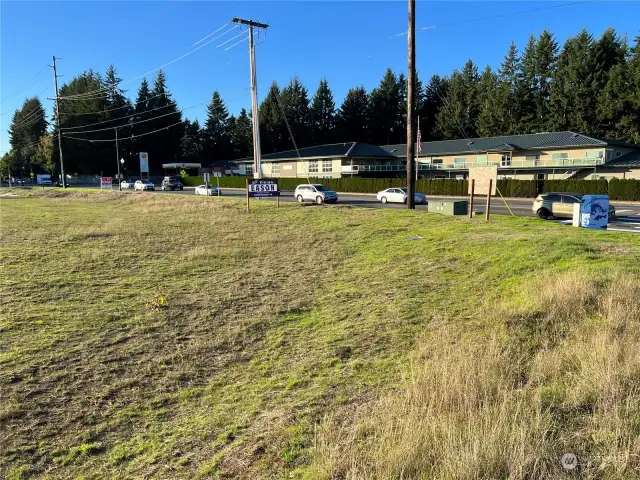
{"x": 346, "y": 42}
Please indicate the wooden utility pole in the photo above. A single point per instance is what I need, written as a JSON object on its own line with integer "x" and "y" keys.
{"x": 488, "y": 208}
{"x": 255, "y": 117}
{"x": 411, "y": 83}
{"x": 55, "y": 82}
{"x": 473, "y": 188}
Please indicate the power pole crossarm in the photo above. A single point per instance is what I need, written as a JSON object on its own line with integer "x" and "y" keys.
{"x": 255, "y": 115}
{"x": 55, "y": 81}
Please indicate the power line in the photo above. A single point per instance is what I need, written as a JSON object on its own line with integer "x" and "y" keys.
{"x": 31, "y": 82}
{"x": 491, "y": 17}
{"x": 237, "y": 43}
{"x": 14, "y": 110}
{"x": 112, "y": 109}
{"x": 212, "y": 33}
{"x": 135, "y": 123}
{"x": 154, "y": 70}
{"x": 129, "y": 116}
{"x": 227, "y": 41}
{"x": 127, "y": 138}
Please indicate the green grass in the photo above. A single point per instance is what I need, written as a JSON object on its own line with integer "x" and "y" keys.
{"x": 147, "y": 336}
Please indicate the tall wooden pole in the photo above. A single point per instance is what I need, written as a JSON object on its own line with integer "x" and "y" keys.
{"x": 473, "y": 188}
{"x": 488, "y": 208}
{"x": 55, "y": 82}
{"x": 411, "y": 84}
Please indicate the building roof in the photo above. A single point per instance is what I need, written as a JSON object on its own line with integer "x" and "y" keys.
{"x": 347, "y": 149}
{"x": 532, "y": 141}
{"x": 631, "y": 159}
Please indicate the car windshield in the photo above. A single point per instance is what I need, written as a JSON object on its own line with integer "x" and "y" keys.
{"x": 321, "y": 188}
{"x": 403, "y": 190}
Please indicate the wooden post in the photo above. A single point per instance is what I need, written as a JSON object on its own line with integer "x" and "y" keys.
{"x": 278, "y": 201}
{"x": 473, "y": 187}
{"x": 247, "y": 195}
{"x": 489, "y": 199}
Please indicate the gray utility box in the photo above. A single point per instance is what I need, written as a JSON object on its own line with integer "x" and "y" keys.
{"x": 449, "y": 207}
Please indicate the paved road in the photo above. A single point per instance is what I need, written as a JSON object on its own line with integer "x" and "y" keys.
{"x": 628, "y": 219}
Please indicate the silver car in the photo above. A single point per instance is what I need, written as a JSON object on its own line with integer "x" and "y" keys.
{"x": 314, "y": 192}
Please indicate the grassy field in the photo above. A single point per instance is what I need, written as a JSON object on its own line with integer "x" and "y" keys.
{"x": 148, "y": 336}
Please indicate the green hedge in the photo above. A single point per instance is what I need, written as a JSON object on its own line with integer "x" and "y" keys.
{"x": 624, "y": 189}
{"x": 616, "y": 189}
{"x": 600, "y": 187}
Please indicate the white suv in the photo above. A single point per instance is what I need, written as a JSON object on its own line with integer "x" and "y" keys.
{"x": 314, "y": 192}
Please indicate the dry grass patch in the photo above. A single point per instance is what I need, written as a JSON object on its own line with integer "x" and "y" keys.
{"x": 563, "y": 375}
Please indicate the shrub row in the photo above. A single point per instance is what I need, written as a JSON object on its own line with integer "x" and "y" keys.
{"x": 616, "y": 189}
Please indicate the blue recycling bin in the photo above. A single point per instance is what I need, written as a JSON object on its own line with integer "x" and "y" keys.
{"x": 594, "y": 212}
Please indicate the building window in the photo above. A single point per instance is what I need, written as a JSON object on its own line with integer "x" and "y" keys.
{"x": 313, "y": 166}
{"x": 327, "y": 166}
{"x": 533, "y": 157}
{"x": 460, "y": 160}
{"x": 275, "y": 168}
{"x": 437, "y": 161}
{"x": 482, "y": 160}
{"x": 559, "y": 156}
{"x": 249, "y": 169}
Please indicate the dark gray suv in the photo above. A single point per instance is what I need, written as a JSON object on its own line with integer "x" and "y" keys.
{"x": 171, "y": 183}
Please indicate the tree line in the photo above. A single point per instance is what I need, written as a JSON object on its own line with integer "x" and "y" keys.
{"x": 589, "y": 85}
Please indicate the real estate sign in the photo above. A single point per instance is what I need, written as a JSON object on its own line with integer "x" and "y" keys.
{"x": 105, "y": 182}
{"x": 482, "y": 175}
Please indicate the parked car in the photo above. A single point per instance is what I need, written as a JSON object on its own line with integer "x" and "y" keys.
{"x": 203, "y": 190}
{"x": 314, "y": 192}
{"x": 127, "y": 184}
{"x": 171, "y": 183}
{"x": 399, "y": 195}
{"x": 143, "y": 185}
{"x": 559, "y": 205}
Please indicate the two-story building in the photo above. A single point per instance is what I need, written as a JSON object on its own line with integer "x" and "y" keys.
{"x": 549, "y": 155}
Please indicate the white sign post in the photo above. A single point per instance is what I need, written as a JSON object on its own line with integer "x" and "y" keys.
{"x": 218, "y": 175}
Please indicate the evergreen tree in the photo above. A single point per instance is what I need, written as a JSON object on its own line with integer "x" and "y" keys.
{"x": 546, "y": 59}
{"x": 526, "y": 89}
{"x": 573, "y": 99}
{"x": 434, "y": 95}
{"x": 323, "y": 115}
{"x": 354, "y": 118}
{"x": 457, "y": 118}
{"x": 507, "y": 110}
{"x": 488, "y": 124}
{"x": 295, "y": 102}
{"x": 273, "y": 131}
{"x": 83, "y": 111}
{"x": 217, "y": 140}
{"x": 165, "y": 121}
{"x": 386, "y": 114}
{"x": 191, "y": 142}
{"x": 242, "y": 136}
{"x": 28, "y": 125}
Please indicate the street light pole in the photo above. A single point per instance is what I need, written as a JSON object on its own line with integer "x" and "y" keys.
{"x": 118, "y": 162}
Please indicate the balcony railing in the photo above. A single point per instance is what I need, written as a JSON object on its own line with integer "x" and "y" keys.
{"x": 350, "y": 169}
{"x": 512, "y": 164}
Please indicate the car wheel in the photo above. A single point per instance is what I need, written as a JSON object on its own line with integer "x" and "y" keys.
{"x": 383, "y": 199}
{"x": 181, "y": 188}
{"x": 404, "y": 201}
{"x": 300, "y": 199}
{"x": 543, "y": 213}
{"x": 319, "y": 200}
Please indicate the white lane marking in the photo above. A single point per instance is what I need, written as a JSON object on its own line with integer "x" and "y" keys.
{"x": 623, "y": 211}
